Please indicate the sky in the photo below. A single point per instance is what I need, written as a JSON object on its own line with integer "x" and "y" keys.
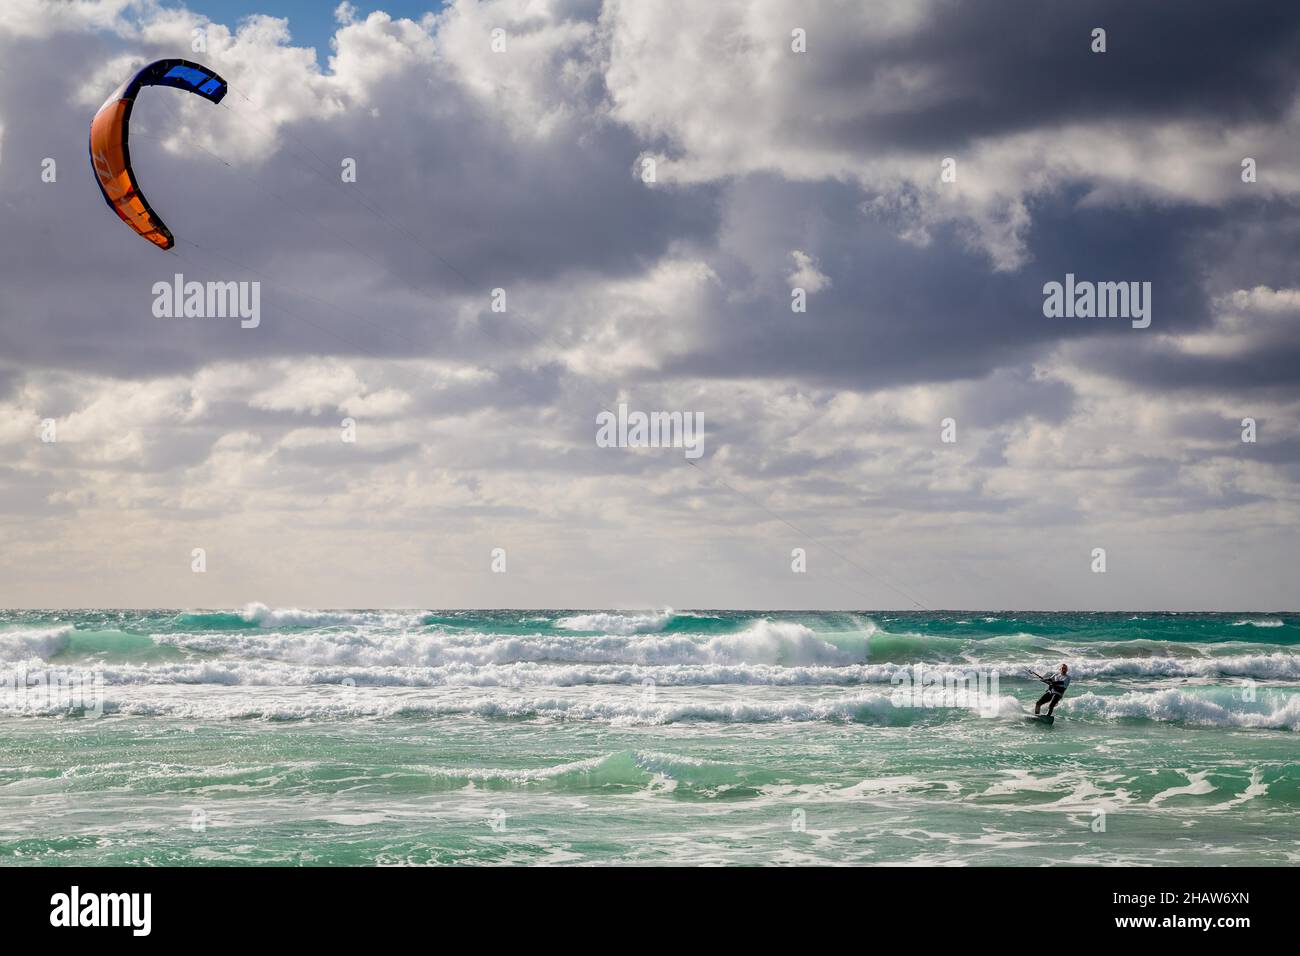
{"x": 311, "y": 22}
{"x": 918, "y": 171}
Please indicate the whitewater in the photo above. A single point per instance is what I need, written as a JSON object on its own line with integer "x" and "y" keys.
{"x": 299, "y": 736}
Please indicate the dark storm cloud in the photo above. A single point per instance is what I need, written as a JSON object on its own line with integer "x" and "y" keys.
{"x": 1254, "y": 244}
{"x": 1003, "y": 66}
{"x": 895, "y": 313}
{"x": 1283, "y": 452}
{"x": 1162, "y": 367}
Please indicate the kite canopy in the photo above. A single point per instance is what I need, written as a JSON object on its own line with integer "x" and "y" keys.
{"x": 110, "y": 155}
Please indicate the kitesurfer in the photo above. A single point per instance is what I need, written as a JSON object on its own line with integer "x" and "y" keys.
{"x": 1056, "y": 685}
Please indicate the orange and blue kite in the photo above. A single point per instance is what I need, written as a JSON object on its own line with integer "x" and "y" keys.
{"x": 110, "y": 154}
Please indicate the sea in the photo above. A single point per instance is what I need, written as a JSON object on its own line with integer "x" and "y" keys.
{"x": 280, "y": 736}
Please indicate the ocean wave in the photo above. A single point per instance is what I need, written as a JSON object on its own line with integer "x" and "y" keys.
{"x": 34, "y": 644}
{"x": 614, "y": 623}
{"x": 1268, "y": 712}
{"x": 464, "y": 667}
{"x": 519, "y": 674}
{"x": 1258, "y": 622}
{"x": 256, "y": 615}
{"x": 266, "y": 617}
{"x": 882, "y": 708}
{"x": 1275, "y": 666}
{"x": 771, "y": 642}
{"x": 1198, "y": 707}
{"x": 777, "y": 642}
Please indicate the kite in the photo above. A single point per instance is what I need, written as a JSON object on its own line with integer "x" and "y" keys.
{"x": 110, "y": 155}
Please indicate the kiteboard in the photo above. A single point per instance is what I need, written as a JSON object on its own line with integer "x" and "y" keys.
{"x": 1040, "y": 719}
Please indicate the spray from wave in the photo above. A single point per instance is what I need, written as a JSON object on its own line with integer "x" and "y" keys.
{"x": 607, "y": 623}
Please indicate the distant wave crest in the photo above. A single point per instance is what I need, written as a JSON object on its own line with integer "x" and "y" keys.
{"x": 609, "y": 623}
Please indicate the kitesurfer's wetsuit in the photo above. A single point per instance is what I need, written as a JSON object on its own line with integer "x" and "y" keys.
{"x": 1056, "y": 686}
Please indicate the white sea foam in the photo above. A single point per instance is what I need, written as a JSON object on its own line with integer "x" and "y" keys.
{"x": 763, "y": 641}
{"x": 633, "y": 706}
{"x": 1274, "y": 712}
{"x": 40, "y": 643}
{"x": 414, "y": 661}
{"x": 1279, "y": 665}
{"x": 267, "y": 617}
{"x": 626, "y": 708}
{"x": 642, "y": 763}
{"x": 606, "y": 623}
{"x": 1197, "y": 786}
{"x": 775, "y": 642}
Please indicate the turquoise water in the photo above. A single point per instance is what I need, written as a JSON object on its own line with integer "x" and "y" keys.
{"x": 649, "y": 737}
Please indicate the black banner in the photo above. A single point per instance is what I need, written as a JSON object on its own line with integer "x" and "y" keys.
{"x": 335, "y": 906}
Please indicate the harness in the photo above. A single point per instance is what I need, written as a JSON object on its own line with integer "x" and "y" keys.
{"x": 1055, "y": 685}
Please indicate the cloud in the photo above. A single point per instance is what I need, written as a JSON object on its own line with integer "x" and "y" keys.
{"x": 345, "y": 13}
{"x": 516, "y": 169}
{"x": 806, "y": 276}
